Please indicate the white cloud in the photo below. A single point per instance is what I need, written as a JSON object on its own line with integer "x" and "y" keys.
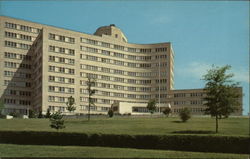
{"x": 241, "y": 75}
{"x": 198, "y": 69}
{"x": 194, "y": 69}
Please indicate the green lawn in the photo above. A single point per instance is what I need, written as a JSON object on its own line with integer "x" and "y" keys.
{"x": 10, "y": 150}
{"x": 136, "y": 125}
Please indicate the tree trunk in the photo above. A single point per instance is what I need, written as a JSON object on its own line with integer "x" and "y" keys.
{"x": 216, "y": 118}
{"x": 89, "y": 109}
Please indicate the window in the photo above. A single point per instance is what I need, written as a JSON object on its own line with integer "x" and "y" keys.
{"x": 104, "y": 52}
{"x": 105, "y": 44}
{"x": 52, "y": 36}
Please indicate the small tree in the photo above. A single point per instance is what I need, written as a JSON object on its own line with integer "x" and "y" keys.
{"x": 151, "y": 106}
{"x": 90, "y": 83}
{"x": 222, "y": 93}
{"x": 40, "y": 115}
{"x": 70, "y": 104}
{"x": 110, "y": 113}
{"x": 32, "y": 113}
{"x": 185, "y": 114}
{"x": 167, "y": 111}
{"x": 57, "y": 121}
{"x": 48, "y": 114}
{"x": 1, "y": 107}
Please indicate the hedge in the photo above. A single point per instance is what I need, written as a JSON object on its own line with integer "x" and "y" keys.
{"x": 224, "y": 144}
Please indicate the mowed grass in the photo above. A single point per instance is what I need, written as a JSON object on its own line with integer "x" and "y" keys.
{"x": 233, "y": 126}
{"x": 10, "y": 150}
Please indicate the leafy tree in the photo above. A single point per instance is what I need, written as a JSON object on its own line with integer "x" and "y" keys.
{"x": 110, "y": 113}
{"x": 57, "y": 121}
{"x": 91, "y": 82}
{"x": 185, "y": 114}
{"x": 32, "y": 113}
{"x": 70, "y": 104}
{"x": 151, "y": 105}
{"x": 167, "y": 111}
{"x": 222, "y": 94}
{"x": 48, "y": 114}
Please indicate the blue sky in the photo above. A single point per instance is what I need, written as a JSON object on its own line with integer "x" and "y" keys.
{"x": 202, "y": 33}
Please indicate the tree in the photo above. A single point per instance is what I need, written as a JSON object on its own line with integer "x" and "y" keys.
{"x": 151, "y": 105}
{"x": 48, "y": 114}
{"x": 70, "y": 104}
{"x": 90, "y": 83}
{"x": 1, "y": 107}
{"x": 167, "y": 111}
{"x": 32, "y": 113}
{"x": 110, "y": 113}
{"x": 57, "y": 121}
{"x": 222, "y": 94}
{"x": 185, "y": 114}
{"x": 40, "y": 115}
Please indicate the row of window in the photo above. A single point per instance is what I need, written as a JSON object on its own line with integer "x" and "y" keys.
{"x": 115, "y": 79}
{"x": 22, "y": 27}
{"x": 120, "y": 72}
{"x": 61, "y": 70}
{"x": 16, "y": 65}
{"x": 16, "y": 83}
{"x": 61, "y": 60}
{"x": 61, "y": 79}
{"x": 17, "y": 56}
{"x": 61, "y": 38}
{"x": 119, "y": 47}
{"x": 120, "y": 63}
{"x": 193, "y": 110}
{"x": 57, "y": 99}
{"x": 186, "y": 94}
{"x": 18, "y": 92}
{"x": 61, "y": 50}
{"x": 124, "y": 95}
{"x": 94, "y": 108}
{"x": 117, "y": 87}
{"x": 17, "y": 45}
{"x": 57, "y": 89}
{"x": 17, "y": 74}
{"x": 194, "y": 102}
{"x": 121, "y": 55}
{"x": 19, "y": 36}
{"x": 15, "y": 101}
{"x": 196, "y": 94}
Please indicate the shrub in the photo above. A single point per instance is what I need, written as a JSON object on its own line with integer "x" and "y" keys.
{"x": 15, "y": 114}
{"x": 110, "y": 113}
{"x": 224, "y": 144}
{"x": 185, "y": 114}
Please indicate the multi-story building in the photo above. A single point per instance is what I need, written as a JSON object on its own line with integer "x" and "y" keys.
{"x": 44, "y": 65}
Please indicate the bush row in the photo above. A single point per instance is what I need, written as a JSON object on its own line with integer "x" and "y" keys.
{"x": 225, "y": 144}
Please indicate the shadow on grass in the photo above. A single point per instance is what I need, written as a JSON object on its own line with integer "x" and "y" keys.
{"x": 193, "y": 132}
{"x": 78, "y": 122}
{"x": 177, "y": 122}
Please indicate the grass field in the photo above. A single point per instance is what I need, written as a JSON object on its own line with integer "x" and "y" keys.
{"x": 136, "y": 125}
{"x": 6, "y": 150}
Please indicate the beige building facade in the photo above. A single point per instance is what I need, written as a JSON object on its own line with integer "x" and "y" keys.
{"x": 44, "y": 65}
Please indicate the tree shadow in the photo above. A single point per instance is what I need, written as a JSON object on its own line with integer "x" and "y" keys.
{"x": 177, "y": 121}
{"x": 193, "y": 132}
